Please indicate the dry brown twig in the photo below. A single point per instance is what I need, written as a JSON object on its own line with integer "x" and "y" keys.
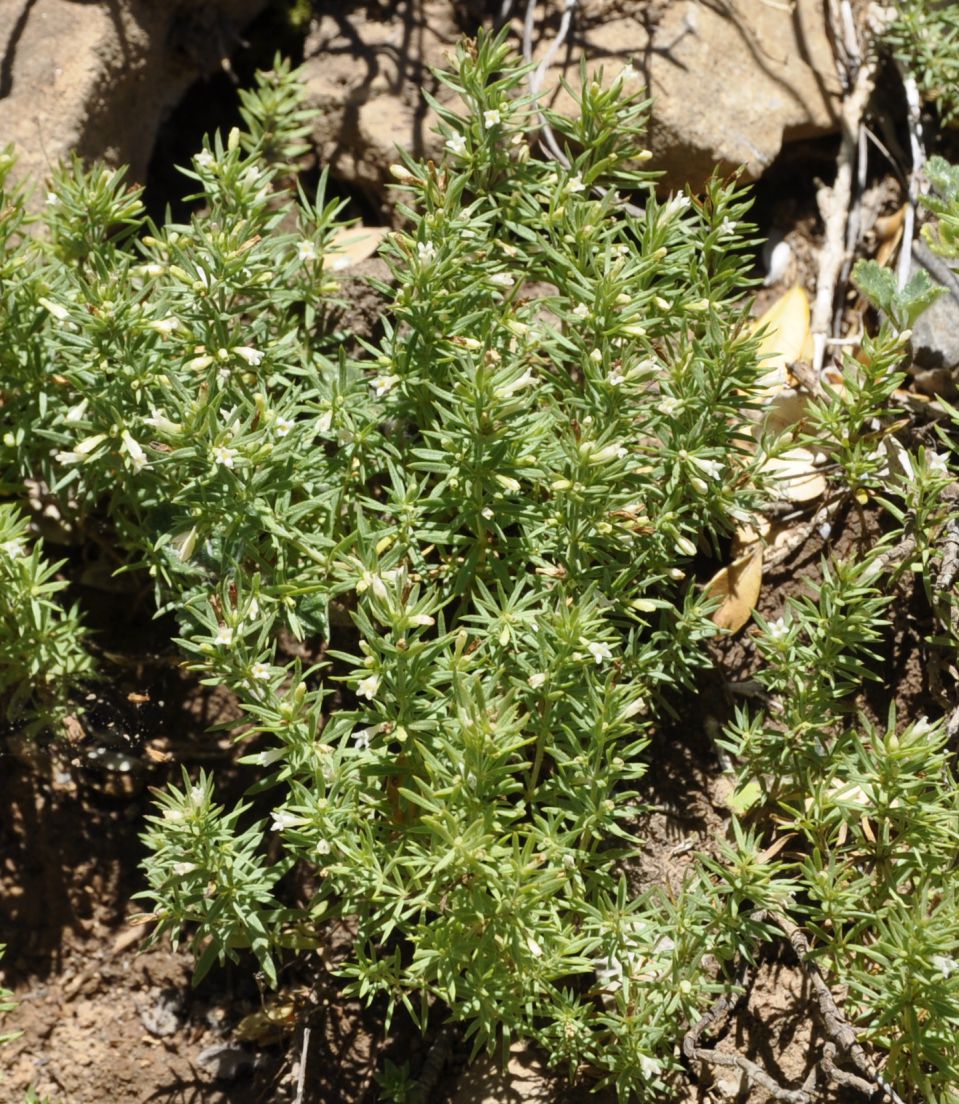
{"x": 841, "y": 1037}
{"x": 834, "y": 202}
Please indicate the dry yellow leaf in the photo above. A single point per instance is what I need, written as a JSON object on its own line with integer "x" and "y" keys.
{"x": 738, "y": 585}
{"x": 351, "y": 244}
{"x": 787, "y": 335}
{"x": 796, "y": 473}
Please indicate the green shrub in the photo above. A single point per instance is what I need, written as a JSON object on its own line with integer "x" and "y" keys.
{"x": 489, "y": 519}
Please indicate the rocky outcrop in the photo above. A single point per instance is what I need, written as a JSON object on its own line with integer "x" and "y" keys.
{"x": 731, "y": 81}
{"x": 99, "y": 78}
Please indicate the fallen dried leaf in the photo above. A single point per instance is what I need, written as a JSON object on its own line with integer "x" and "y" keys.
{"x": 796, "y": 473}
{"x": 351, "y": 244}
{"x": 787, "y": 334}
{"x": 738, "y": 585}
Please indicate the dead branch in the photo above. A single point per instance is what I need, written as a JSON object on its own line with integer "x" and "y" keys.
{"x": 834, "y": 203}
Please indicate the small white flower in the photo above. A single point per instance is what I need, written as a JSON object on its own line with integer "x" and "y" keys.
{"x": 936, "y": 462}
{"x": 945, "y": 964}
{"x": 534, "y": 948}
{"x": 13, "y": 548}
{"x": 569, "y": 861}
{"x": 223, "y": 454}
{"x": 204, "y": 160}
{"x": 224, "y": 635}
{"x": 628, "y": 72}
{"x": 575, "y": 184}
{"x": 492, "y": 118}
{"x": 197, "y": 796}
{"x": 159, "y": 421}
{"x": 727, "y": 228}
{"x": 199, "y": 362}
{"x": 260, "y": 671}
{"x": 81, "y": 451}
{"x": 456, "y": 145}
{"x": 711, "y": 468}
{"x": 616, "y": 378}
{"x": 669, "y": 405}
{"x": 778, "y": 629}
{"x": 488, "y": 513}
{"x": 283, "y": 820}
{"x": 580, "y": 311}
{"x": 368, "y": 687}
{"x": 382, "y": 385}
{"x": 324, "y": 422}
{"x": 536, "y": 680}
{"x": 363, "y": 736}
{"x": 651, "y": 1067}
{"x": 282, "y": 426}
{"x": 527, "y": 379}
{"x": 502, "y": 279}
{"x": 252, "y": 356}
{"x": 52, "y": 199}
{"x": 425, "y": 253}
{"x": 508, "y": 483}
{"x": 599, "y": 650}
{"x": 58, "y": 312}
{"x": 75, "y": 413}
{"x": 165, "y": 326}
{"x": 675, "y": 206}
{"x": 268, "y": 758}
{"x": 182, "y": 868}
{"x": 306, "y": 251}
{"x": 172, "y": 815}
{"x": 138, "y": 458}
{"x": 323, "y": 847}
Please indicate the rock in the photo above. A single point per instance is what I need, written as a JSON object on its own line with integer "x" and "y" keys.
{"x": 366, "y": 70}
{"x": 99, "y": 79}
{"x": 224, "y": 1061}
{"x": 730, "y": 84}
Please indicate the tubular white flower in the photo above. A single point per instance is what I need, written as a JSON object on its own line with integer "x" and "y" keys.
{"x": 456, "y": 144}
{"x": 599, "y": 650}
{"x": 224, "y": 635}
{"x": 138, "y": 458}
{"x": 492, "y": 118}
{"x": 368, "y": 687}
{"x": 224, "y": 455}
{"x": 82, "y": 451}
{"x": 59, "y": 313}
{"x": 527, "y": 379}
{"x": 382, "y": 385}
{"x": 283, "y": 820}
{"x": 13, "y": 548}
{"x": 306, "y": 251}
{"x": 252, "y": 356}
